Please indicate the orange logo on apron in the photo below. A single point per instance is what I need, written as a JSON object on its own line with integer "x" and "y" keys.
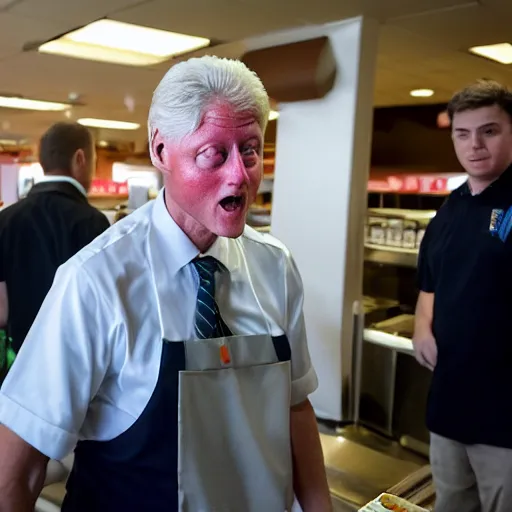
{"x": 224, "y": 354}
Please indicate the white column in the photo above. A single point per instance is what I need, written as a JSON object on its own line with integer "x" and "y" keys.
{"x": 319, "y": 200}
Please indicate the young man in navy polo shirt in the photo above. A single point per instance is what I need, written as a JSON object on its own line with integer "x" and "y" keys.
{"x": 463, "y": 314}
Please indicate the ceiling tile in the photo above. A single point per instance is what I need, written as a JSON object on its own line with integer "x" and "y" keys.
{"x": 459, "y": 29}
{"x": 6, "y": 3}
{"x": 102, "y": 88}
{"x": 322, "y": 11}
{"x": 15, "y": 31}
{"x": 76, "y": 12}
{"x": 222, "y": 20}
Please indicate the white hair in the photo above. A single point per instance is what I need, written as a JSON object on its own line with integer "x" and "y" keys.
{"x": 190, "y": 87}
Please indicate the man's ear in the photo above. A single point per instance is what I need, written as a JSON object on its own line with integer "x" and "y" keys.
{"x": 79, "y": 157}
{"x": 78, "y": 162}
{"x": 159, "y": 151}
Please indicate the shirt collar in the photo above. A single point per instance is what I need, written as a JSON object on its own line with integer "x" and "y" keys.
{"x": 226, "y": 251}
{"x": 68, "y": 179}
{"x": 179, "y": 250}
{"x": 505, "y": 177}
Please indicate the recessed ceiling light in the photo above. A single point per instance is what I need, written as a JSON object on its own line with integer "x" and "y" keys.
{"x": 123, "y": 43}
{"x": 107, "y": 123}
{"x": 28, "y": 104}
{"x": 422, "y": 93}
{"x": 501, "y": 52}
{"x": 274, "y": 114}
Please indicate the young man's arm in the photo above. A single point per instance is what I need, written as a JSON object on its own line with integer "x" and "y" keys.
{"x": 425, "y": 347}
{"x": 309, "y": 478}
{"x": 22, "y": 473}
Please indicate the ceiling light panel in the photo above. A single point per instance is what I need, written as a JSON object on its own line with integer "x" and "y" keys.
{"x": 108, "y": 124}
{"x": 123, "y": 43}
{"x": 422, "y": 93}
{"x": 28, "y": 104}
{"x": 501, "y": 52}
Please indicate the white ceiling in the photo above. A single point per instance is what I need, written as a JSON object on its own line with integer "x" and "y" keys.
{"x": 423, "y": 43}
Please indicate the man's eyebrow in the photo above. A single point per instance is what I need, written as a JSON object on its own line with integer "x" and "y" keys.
{"x": 489, "y": 125}
{"x": 486, "y": 125}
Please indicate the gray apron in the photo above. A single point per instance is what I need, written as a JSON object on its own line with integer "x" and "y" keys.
{"x": 234, "y": 447}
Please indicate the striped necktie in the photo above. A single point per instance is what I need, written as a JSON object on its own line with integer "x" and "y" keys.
{"x": 208, "y": 322}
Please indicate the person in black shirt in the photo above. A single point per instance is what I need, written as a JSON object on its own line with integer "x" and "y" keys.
{"x": 42, "y": 231}
{"x": 463, "y": 329}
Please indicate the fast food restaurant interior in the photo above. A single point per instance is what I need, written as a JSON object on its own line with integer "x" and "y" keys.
{"x": 357, "y": 160}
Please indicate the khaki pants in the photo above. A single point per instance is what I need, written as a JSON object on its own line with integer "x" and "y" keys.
{"x": 471, "y": 478}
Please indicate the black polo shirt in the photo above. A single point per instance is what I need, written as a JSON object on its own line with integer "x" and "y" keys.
{"x": 37, "y": 235}
{"x": 466, "y": 261}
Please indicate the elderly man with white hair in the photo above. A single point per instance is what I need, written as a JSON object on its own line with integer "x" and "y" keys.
{"x": 171, "y": 353}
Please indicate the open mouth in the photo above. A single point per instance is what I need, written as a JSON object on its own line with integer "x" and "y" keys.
{"x": 232, "y": 203}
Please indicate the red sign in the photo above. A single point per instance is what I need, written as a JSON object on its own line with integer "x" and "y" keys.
{"x": 432, "y": 185}
{"x": 108, "y": 187}
{"x": 411, "y": 184}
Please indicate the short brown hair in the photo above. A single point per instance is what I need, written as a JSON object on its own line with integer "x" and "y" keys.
{"x": 483, "y": 93}
{"x": 60, "y": 142}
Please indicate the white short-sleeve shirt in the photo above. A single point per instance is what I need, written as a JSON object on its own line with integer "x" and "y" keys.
{"x": 90, "y": 362}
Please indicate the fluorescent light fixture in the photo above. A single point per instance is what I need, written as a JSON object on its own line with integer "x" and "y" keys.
{"x": 273, "y": 115}
{"x": 422, "y": 93}
{"x": 26, "y": 104}
{"x": 107, "y": 123}
{"x": 501, "y": 52}
{"x": 123, "y": 43}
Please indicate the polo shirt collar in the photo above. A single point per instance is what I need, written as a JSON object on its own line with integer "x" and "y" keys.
{"x": 505, "y": 177}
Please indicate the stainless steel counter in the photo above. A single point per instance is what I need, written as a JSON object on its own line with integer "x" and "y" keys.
{"x": 361, "y": 465}
{"x": 394, "y": 386}
{"x": 391, "y": 341}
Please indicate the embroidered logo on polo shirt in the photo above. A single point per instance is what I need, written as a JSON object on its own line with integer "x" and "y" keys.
{"x": 500, "y": 223}
{"x": 495, "y": 222}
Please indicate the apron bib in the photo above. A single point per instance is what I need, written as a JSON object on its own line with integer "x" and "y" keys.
{"x": 234, "y": 426}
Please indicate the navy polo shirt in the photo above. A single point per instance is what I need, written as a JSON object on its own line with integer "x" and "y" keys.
{"x": 466, "y": 261}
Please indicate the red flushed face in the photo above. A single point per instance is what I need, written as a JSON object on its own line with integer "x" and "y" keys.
{"x": 212, "y": 176}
